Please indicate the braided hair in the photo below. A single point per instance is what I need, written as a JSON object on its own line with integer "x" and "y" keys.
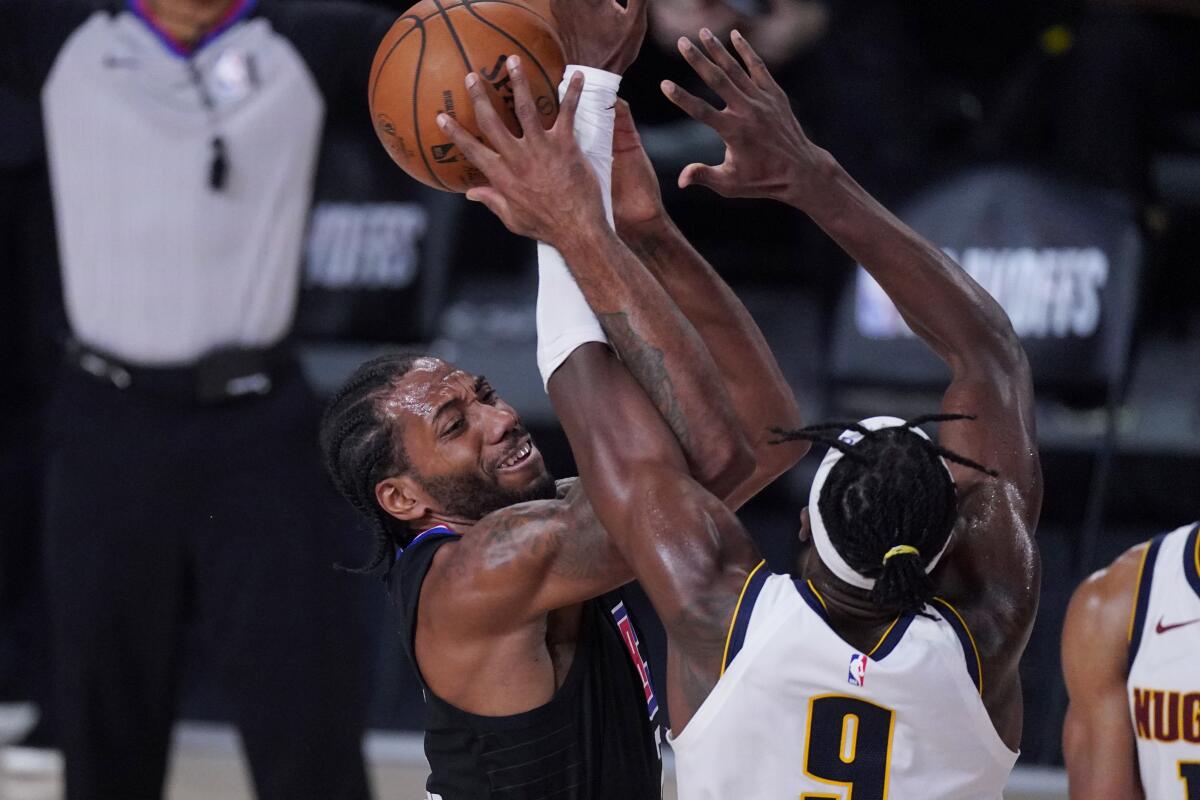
{"x": 890, "y": 489}
{"x": 360, "y": 449}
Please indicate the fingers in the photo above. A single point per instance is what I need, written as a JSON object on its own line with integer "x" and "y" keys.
{"x": 709, "y": 72}
{"x": 636, "y": 11}
{"x": 725, "y": 62}
{"x": 570, "y": 103}
{"x": 754, "y": 64}
{"x": 691, "y": 105}
{"x": 487, "y": 119}
{"x": 625, "y": 133}
{"x": 479, "y": 154}
{"x": 492, "y": 199}
{"x": 624, "y": 121}
{"x": 527, "y": 113}
{"x": 703, "y": 175}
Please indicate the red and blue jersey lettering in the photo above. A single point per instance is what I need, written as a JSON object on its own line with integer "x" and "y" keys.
{"x": 625, "y": 625}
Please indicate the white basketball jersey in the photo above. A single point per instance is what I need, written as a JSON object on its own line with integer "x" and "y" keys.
{"x": 1164, "y": 673}
{"x": 800, "y": 713}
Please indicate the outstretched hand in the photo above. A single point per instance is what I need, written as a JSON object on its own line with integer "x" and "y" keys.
{"x": 540, "y": 185}
{"x": 767, "y": 153}
{"x": 600, "y": 33}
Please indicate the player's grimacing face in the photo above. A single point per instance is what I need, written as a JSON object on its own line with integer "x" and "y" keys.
{"x": 466, "y": 446}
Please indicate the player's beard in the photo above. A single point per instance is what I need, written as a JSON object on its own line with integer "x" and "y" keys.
{"x": 474, "y": 495}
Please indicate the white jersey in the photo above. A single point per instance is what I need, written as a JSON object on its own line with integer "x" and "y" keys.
{"x": 1164, "y": 672}
{"x": 800, "y": 713}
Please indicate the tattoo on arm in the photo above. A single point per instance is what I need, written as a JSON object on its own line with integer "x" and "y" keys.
{"x": 647, "y": 364}
{"x": 586, "y": 553}
{"x": 571, "y": 542}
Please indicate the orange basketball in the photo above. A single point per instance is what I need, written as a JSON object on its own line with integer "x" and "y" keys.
{"x": 419, "y": 70}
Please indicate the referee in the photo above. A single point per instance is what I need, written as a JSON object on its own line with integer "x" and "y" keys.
{"x": 183, "y": 487}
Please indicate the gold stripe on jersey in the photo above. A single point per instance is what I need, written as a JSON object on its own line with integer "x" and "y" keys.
{"x": 817, "y": 595}
{"x": 733, "y": 619}
{"x": 1196, "y": 557}
{"x": 1136, "y": 587}
{"x": 883, "y": 638}
{"x": 970, "y": 638}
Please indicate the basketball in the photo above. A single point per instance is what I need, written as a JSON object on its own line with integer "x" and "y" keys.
{"x": 419, "y": 69}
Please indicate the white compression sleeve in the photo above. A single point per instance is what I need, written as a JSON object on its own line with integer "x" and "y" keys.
{"x": 564, "y": 319}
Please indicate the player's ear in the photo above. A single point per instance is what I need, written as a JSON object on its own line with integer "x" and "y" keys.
{"x": 805, "y": 532}
{"x": 401, "y": 497}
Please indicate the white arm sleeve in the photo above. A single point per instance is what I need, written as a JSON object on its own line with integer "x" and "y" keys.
{"x": 564, "y": 319}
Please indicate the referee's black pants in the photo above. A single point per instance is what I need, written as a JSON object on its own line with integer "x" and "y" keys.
{"x": 161, "y": 515}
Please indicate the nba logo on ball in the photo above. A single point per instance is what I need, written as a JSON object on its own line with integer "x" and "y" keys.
{"x": 858, "y": 670}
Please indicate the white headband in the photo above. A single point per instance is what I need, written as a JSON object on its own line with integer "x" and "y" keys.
{"x": 820, "y": 534}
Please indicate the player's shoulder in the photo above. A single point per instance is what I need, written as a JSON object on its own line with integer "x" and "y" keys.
{"x": 494, "y": 566}
{"x": 1117, "y": 579}
{"x": 1103, "y": 604}
{"x": 509, "y": 539}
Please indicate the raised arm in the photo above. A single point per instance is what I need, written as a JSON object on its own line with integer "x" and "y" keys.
{"x": 684, "y": 545}
{"x": 664, "y": 353}
{"x": 761, "y": 396}
{"x": 769, "y": 155}
{"x": 1098, "y": 741}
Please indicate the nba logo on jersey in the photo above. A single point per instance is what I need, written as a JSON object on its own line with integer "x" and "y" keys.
{"x": 625, "y": 626}
{"x": 858, "y": 670}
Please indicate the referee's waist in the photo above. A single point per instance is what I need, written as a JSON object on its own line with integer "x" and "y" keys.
{"x": 218, "y": 376}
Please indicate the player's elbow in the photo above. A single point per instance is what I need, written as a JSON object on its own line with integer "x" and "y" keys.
{"x": 996, "y": 358}
{"x": 729, "y": 465}
{"x": 1000, "y": 343}
{"x": 1007, "y": 349}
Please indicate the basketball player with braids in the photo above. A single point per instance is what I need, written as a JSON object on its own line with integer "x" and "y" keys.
{"x": 528, "y": 659}
{"x": 889, "y": 668}
{"x": 1130, "y": 644}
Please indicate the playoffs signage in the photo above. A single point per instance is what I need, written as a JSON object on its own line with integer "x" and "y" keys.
{"x": 1047, "y": 292}
{"x": 1062, "y": 260}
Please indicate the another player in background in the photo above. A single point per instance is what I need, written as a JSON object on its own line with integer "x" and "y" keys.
{"x": 873, "y": 673}
{"x": 1130, "y": 647}
{"x": 510, "y": 613}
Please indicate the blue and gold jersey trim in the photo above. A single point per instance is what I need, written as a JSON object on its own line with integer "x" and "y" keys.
{"x": 1191, "y": 559}
{"x": 741, "y": 613}
{"x": 810, "y": 595}
{"x": 891, "y": 637}
{"x": 1141, "y": 597}
{"x": 970, "y": 648}
{"x": 887, "y": 642}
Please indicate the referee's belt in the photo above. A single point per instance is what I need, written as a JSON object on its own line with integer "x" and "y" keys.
{"x": 219, "y": 376}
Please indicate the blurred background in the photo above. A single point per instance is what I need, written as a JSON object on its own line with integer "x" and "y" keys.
{"x": 1052, "y": 146}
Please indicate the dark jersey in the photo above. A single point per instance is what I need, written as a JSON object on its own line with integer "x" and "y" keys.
{"x": 596, "y": 739}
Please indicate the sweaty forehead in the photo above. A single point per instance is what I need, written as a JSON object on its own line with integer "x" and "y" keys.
{"x": 428, "y": 384}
